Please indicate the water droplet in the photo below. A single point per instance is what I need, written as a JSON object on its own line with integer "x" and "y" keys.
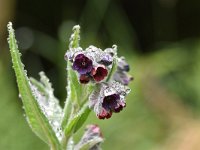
{"x": 128, "y": 90}
{"x": 109, "y": 91}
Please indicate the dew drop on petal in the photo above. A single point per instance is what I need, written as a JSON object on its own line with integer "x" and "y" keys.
{"x": 109, "y": 91}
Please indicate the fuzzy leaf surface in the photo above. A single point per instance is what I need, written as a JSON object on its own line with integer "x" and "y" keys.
{"x": 36, "y": 119}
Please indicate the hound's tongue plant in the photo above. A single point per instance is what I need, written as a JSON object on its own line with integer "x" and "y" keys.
{"x": 96, "y": 80}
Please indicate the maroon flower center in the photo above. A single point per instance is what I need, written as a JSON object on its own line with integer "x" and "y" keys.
{"x": 111, "y": 102}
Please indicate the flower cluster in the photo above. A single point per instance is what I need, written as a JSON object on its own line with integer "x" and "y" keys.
{"x": 91, "y": 64}
{"x": 96, "y": 65}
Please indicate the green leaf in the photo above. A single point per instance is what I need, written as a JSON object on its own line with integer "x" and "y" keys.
{"x": 77, "y": 120}
{"x": 74, "y": 88}
{"x": 38, "y": 85}
{"x": 75, "y": 37}
{"x": 36, "y": 119}
{"x": 76, "y": 109}
{"x": 82, "y": 119}
{"x": 48, "y": 102}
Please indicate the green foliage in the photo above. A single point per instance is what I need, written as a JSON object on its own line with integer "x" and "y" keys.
{"x": 36, "y": 119}
{"x": 42, "y": 107}
{"x": 77, "y": 120}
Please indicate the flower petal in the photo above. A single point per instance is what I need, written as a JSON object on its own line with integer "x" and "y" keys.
{"x": 99, "y": 73}
{"x": 82, "y": 64}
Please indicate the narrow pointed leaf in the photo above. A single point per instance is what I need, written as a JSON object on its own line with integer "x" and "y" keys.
{"x": 77, "y": 120}
{"x": 74, "y": 88}
{"x": 35, "y": 116}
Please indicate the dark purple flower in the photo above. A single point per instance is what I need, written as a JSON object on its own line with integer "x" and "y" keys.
{"x": 82, "y": 64}
{"x": 84, "y": 79}
{"x": 108, "y": 98}
{"x": 110, "y": 103}
{"x": 99, "y": 73}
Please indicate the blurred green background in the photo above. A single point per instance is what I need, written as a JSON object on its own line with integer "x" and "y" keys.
{"x": 161, "y": 41}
